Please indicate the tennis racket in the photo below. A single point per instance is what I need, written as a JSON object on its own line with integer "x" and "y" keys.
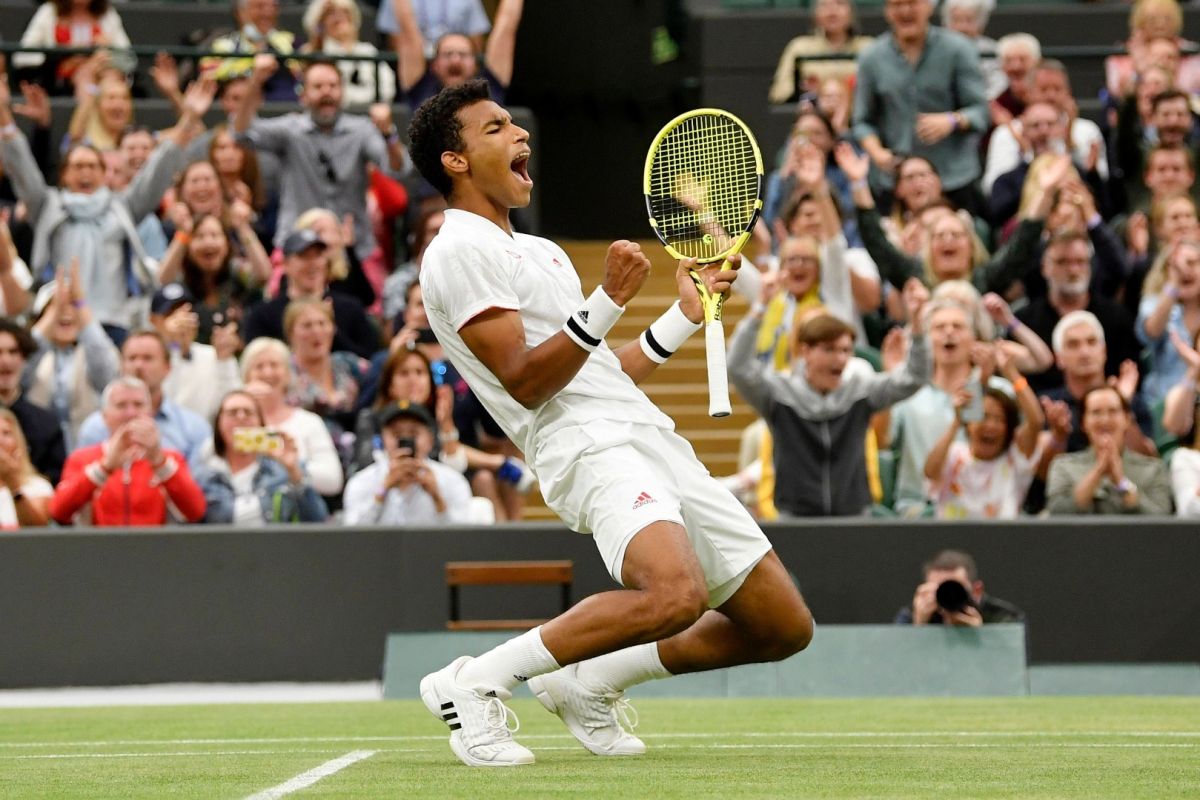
{"x": 703, "y": 186}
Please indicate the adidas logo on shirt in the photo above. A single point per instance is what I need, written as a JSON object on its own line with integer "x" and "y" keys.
{"x": 643, "y": 499}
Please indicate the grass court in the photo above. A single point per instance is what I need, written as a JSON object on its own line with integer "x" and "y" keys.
{"x": 1122, "y": 747}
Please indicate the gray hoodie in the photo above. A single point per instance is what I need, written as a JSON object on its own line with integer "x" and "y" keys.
{"x": 819, "y": 454}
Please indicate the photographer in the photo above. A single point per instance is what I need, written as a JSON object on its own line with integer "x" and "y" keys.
{"x": 404, "y": 486}
{"x": 952, "y": 594}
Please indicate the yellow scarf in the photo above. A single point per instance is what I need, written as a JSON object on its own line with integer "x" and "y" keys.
{"x": 775, "y": 335}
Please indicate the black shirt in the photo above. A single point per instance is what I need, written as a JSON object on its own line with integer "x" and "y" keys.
{"x": 1122, "y": 343}
{"x": 44, "y": 437}
{"x": 354, "y": 334}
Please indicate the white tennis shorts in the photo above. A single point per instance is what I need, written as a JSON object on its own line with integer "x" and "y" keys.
{"x": 613, "y": 479}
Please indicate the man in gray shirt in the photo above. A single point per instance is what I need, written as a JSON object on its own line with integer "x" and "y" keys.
{"x": 920, "y": 92}
{"x": 324, "y": 153}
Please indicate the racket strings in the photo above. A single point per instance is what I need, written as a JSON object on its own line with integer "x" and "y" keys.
{"x": 704, "y": 185}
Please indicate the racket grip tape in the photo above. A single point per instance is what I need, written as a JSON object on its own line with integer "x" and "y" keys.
{"x": 718, "y": 376}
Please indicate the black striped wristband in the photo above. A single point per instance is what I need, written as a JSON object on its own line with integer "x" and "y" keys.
{"x": 588, "y": 326}
{"x": 667, "y": 334}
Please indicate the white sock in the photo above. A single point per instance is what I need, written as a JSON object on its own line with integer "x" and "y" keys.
{"x": 615, "y": 672}
{"x": 513, "y": 662}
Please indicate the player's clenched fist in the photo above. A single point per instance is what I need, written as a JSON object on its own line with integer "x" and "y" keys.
{"x": 625, "y": 271}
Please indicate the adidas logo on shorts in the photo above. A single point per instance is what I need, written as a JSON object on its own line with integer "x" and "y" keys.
{"x": 643, "y": 499}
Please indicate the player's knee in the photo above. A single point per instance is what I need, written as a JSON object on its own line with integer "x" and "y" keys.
{"x": 678, "y": 608}
{"x": 791, "y": 634}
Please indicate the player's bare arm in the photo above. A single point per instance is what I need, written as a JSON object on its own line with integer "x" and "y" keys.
{"x": 534, "y": 375}
{"x": 634, "y": 361}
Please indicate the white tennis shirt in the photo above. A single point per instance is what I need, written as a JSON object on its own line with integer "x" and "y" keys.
{"x": 472, "y": 265}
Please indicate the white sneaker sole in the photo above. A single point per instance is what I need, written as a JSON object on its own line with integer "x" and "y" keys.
{"x": 538, "y": 687}
{"x": 433, "y": 701}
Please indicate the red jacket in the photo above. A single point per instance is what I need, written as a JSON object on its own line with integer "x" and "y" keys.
{"x": 137, "y": 500}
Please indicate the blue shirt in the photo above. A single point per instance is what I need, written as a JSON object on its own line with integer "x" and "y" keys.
{"x": 180, "y": 429}
{"x": 436, "y": 18}
{"x": 1169, "y": 367}
{"x": 890, "y": 91}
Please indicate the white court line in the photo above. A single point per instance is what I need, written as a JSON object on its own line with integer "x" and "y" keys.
{"x": 650, "y": 736}
{"x": 576, "y": 748}
{"x": 306, "y": 779}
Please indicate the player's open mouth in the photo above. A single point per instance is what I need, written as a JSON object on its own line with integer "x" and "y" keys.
{"x": 520, "y": 166}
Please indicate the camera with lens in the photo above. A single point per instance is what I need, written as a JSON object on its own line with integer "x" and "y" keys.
{"x": 952, "y": 596}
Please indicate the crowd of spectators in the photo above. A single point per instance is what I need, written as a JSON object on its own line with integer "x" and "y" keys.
{"x": 223, "y": 324}
{"x": 968, "y": 298}
{"x": 1056, "y": 361}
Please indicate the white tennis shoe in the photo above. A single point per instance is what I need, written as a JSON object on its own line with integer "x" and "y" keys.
{"x": 479, "y": 721}
{"x": 601, "y": 721}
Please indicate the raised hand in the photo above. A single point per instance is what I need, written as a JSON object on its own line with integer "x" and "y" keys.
{"x": 1127, "y": 380}
{"x": 199, "y": 97}
{"x": 916, "y": 295}
{"x": 36, "y": 106}
{"x": 1054, "y": 173}
{"x": 226, "y": 341}
{"x": 998, "y": 309}
{"x": 1185, "y": 350}
{"x": 983, "y": 355}
{"x": 810, "y": 169}
{"x": 626, "y": 268}
{"x": 165, "y": 74}
{"x": 855, "y": 165}
{"x": 1137, "y": 234}
{"x": 768, "y": 287}
{"x": 381, "y": 115}
{"x": 265, "y": 65}
{"x": 893, "y": 349}
{"x": 1058, "y": 417}
{"x": 443, "y": 408}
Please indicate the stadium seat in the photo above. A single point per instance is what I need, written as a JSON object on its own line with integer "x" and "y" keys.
{"x": 504, "y": 573}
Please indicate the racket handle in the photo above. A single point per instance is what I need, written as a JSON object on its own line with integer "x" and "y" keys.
{"x": 718, "y": 376}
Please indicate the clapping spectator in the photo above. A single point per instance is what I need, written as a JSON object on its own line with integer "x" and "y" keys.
{"x": 1019, "y": 53}
{"x": 75, "y": 360}
{"x": 201, "y": 374}
{"x": 248, "y": 486}
{"x": 103, "y": 104}
{"x": 68, "y": 23}
{"x": 129, "y": 478}
{"x": 267, "y": 373}
{"x": 84, "y": 218}
{"x": 987, "y": 476}
{"x": 1107, "y": 478}
{"x": 221, "y": 288}
{"x": 1179, "y": 408}
{"x": 1170, "y": 302}
{"x": 347, "y": 272}
{"x": 405, "y": 486}
{"x": 833, "y": 33}
{"x": 40, "y": 426}
{"x": 24, "y": 494}
{"x": 146, "y": 355}
{"x": 198, "y": 194}
{"x": 327, "y": 383}
{"x": 456, "y": 58}
{"x": 15, "y": 278}
{"x": 333, "y": 29}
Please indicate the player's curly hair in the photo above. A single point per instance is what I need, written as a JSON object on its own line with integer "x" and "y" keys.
{"x": 435, "y": 129}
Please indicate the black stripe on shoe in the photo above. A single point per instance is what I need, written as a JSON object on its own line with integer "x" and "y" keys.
{"x": 455, "y": 726}
{"x": 446, "y": 706}
{"x": 450, "y": 716}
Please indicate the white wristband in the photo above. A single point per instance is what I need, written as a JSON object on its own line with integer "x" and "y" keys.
{"x": 667, "y": 334}
{"x": 588, "y": 326}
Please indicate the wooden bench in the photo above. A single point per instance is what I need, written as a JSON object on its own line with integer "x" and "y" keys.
{"x": 504, "y": 573}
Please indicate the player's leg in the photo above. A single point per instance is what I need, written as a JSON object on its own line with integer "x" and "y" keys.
{"x": 666, "y": 595}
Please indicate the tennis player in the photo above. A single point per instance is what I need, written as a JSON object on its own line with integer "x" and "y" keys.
{"x": 702, "y": 587}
